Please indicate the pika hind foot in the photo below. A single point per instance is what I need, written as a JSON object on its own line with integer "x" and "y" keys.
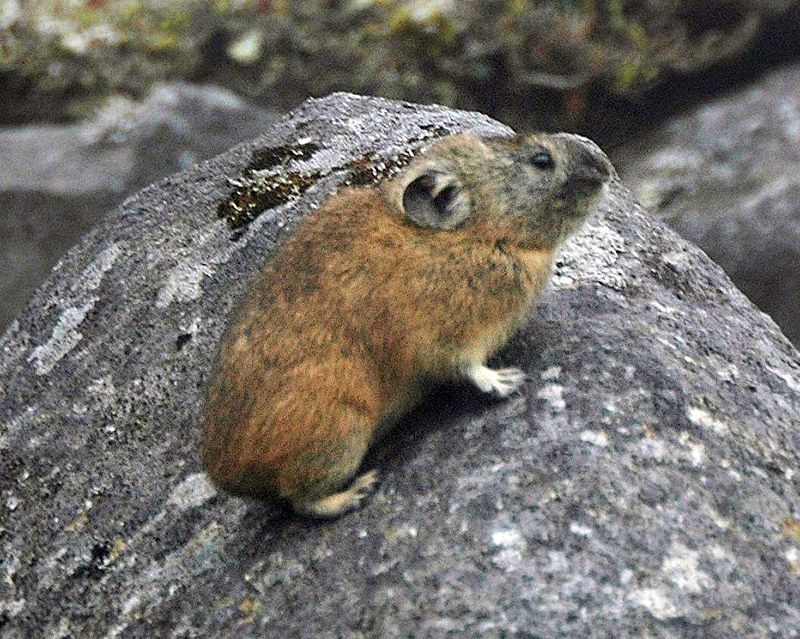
{"x": 339, "y": 503}
{"x": 500, "y": 383}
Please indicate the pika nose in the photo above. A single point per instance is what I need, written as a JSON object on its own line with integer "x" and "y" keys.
{"x": 589, "y": 167}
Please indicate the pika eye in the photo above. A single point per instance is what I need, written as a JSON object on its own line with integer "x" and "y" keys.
{"x": 542, "y": 160}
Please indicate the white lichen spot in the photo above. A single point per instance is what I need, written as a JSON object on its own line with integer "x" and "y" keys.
{"x": 192, "y": 492}
{"x": 670, "y": 311}
{"x": 758, "y": 472}
{"x": 595, "y": 437}
{"x": 511, "y": 546}
{"x": 656, "y": 601}
{"x": 719, "y": 521}
{"x": 792, "y": 555}
{"x": 102, "y": 391}
{"x": 579, "y": 529}
{"x": 697, "y": 450}
{"x": 130, "y": 604}
{"x": 720, "y": 553}
{"x": 735, "y": 474}
{"x": 704, "y": 419}
{"x": 356, "y": 124}
{"x": 11, "y": 429}
{"x": 183, "y": 284}
{"x": 63, "y": 630}
{"x": 406, "y": 531}
{"x": 64, "y": 338}
{"x": 557, "y": 562}
{"x": 668, "y": 341}
{"x": 506, "y": 538}
{"x": 553, "y": 394}
{"x": 652, "y": 448}
{"x": 678, "y": 260}
{"x": 279, "y": 572}
{"x": 93, "y": 274}
{"x": 792, "y": 379}
{"x": 12, "y": 608}
{"x": 729, "y": 372}
{"x": 192, "y": 327}
{"x": 680, "y": 567}
{"x": 551, "y": 373}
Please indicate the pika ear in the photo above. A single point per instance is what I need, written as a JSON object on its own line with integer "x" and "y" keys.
{"x": 435, "y": 199}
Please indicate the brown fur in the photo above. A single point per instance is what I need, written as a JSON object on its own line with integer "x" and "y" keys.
{"x": 348, "y": 323}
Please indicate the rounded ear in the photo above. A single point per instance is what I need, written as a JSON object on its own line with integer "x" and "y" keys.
{"x": 435, "y": 200}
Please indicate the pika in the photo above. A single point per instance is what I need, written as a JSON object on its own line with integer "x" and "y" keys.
{"x": 381, "y": 294}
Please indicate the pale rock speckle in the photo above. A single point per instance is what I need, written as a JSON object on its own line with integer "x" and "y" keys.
{"x": 553, "y": 394}
{"x": 192, "y": 492}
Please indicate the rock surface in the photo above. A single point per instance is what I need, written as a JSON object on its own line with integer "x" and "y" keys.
{"x": 645, "y": 483}
{"x": 726, "y": 177}
{"x": 57, "y": 181}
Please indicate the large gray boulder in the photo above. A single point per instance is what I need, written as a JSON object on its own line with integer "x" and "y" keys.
{"x": 59, "y": 180}
{"x": 726, "y": 176}
{"x": 645, "y": 483}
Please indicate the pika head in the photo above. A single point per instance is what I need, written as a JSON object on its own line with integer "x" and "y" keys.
{"x": 535, "y": 190}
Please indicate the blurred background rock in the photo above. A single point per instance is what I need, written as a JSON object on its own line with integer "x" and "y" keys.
{"x": 698, "y": 103}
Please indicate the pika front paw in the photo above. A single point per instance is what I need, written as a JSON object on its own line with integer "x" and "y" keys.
{"x": 499, "y": 383}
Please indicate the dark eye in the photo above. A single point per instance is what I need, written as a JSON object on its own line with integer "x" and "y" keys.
{"x": 542, "y": 160}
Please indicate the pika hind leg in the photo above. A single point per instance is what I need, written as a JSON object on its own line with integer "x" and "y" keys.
{"x": 500, "y": 383}
{"x": 339, "y": 503}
